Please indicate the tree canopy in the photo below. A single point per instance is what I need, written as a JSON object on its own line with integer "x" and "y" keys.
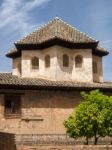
{"x": 92, "y": 117}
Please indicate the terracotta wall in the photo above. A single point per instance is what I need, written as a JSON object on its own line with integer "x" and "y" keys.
{"x": 43, "y": 112}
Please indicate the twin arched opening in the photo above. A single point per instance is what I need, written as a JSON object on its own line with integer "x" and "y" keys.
{"x": 35, "y": 63}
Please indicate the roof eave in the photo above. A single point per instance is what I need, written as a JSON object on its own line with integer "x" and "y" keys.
{"x": 51, "y": 88}
{"x": 13, "y": 54}
{"x": 54, "y": 41}
{"x": 100, "y": 53}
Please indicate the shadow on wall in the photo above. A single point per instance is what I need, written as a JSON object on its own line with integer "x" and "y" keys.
{"x": 51, "y": 99}
{"x": 7, "y": 141}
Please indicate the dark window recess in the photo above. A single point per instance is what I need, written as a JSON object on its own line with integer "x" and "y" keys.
{"x": 65, "y": 60}
{"x": 47, "y": 61}
{"x": 95, "y": 70}
{"x": 78, "y": 61}
{"x": 35, "y": 63}
{"x": 12, "y": 105}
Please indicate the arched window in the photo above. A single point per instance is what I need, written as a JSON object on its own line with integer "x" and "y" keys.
{"x": 47, "y": 61}
{"x": 95, "y": 67}
{"x": 19, "y": 67}
{"x": 65, "y": 60}
{"x": 78, "y": 61}
{"x": 35, "y": 63}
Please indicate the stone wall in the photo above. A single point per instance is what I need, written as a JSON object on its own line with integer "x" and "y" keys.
{"x": 57, "y": 71}
{"x": 43, "y": 112}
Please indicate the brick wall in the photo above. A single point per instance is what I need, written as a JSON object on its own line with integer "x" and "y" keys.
{"x": 43, "y": 112}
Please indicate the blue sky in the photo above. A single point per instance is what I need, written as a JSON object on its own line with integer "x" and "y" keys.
{"x": 20, "y": 17}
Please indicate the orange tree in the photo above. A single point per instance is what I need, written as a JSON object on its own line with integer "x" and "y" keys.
{"x": 92, "y": 118}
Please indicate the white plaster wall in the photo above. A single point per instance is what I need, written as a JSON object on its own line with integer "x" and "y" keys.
{"x": 42, "y": 72}
{"x": 98, "y": 77}
{"x": 83, "y": 74}
{"x": 57, "y": 71}
{"x": 15, "y": 70}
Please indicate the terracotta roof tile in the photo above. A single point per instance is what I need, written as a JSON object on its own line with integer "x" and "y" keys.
{"x": 7, "y": 80}
{"x": 56, "y": 28}
{"x": 12, "y": 50}
{"x": 99, "y": 48}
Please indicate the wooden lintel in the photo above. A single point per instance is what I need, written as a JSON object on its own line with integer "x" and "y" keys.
{"x": 11, "y": 91}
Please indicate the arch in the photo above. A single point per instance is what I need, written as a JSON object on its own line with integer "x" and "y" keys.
{"x": 95, "y": 68}
{"x": 65, "y": 60}
{"x": 19, "y": 67}
{"x": 47, "y": 61}
{"x": 35, "y": 63}
{"x": 78, "y": 61}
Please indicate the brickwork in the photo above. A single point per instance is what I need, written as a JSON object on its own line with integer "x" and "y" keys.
{"x": 43, "y": 112}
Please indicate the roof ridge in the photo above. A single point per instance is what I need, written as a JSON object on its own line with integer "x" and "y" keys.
{"x": 56, "y": 30}
{"x": 5, "y": 72}
{"x": 51, "y": 21}
{"x": 76, "y": 29}
{"x": 36, "y": 30}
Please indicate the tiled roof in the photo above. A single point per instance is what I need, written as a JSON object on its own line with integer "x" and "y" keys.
{"x": 99, "y": 48}
{"x": 12, "y": 51}
{"x": 56, "y": 28}
{"x": 7, "y": 80}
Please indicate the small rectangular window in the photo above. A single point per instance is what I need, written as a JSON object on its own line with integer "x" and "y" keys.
{"x": 12, "y": 105}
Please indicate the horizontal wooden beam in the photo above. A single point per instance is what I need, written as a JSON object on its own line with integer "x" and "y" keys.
{"x": 11, "y": 91}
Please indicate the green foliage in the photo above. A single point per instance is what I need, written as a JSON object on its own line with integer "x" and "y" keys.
{"x": 92, "y": 118}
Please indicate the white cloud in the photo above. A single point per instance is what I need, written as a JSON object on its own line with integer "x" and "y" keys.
{"x": 14, "y": 15}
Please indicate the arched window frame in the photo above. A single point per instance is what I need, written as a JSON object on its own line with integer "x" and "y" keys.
{"x": 65, "y": 60}
{"x": 78, "y": 61}
{"x": 95, "y": 67}
{"x": 47, "y": 61}
{"x": 19, "y": 67}
{"x": 35, "y": 63}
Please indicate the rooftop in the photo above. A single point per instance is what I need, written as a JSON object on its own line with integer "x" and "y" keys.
{"x": 59, "y": 32}
{"x": 56, "y": 28}
{"x": 9, "y": 81}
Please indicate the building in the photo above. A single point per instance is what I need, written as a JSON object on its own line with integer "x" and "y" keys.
{"x": 50, "y": 68}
